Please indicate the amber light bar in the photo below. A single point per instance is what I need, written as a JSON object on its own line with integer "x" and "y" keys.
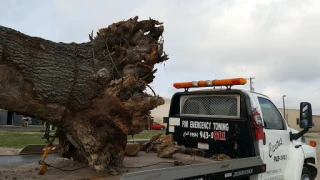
{"x": 209, "y": 83}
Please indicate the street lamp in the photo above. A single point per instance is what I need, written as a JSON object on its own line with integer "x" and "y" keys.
{"x": 284, "y": 107}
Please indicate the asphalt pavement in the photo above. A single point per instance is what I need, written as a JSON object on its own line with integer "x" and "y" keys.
{"x": 24, "y": 159}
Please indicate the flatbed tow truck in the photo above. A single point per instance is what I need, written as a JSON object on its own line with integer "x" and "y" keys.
{"x": 244, "y": 125}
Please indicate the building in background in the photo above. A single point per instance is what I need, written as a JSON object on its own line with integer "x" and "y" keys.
{"x": 293, "y": 119}
{"x": 161, "y": 111}
{"x": 10, "y": 118}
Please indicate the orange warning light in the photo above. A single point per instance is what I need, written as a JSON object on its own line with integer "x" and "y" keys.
{"x": 313, "y": 143}
{"x": 209, "y": 83}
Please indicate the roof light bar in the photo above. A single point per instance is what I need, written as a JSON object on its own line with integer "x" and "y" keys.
{"x": 209, "y": 83}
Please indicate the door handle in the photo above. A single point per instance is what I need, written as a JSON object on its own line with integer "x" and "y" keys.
{"x": 264, "y": 138}
{"x": 297, "y": 146}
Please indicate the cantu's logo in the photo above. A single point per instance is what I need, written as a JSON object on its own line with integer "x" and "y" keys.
{"x": 273, "y": 148}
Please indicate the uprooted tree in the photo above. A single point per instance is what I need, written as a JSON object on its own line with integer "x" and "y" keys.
{"x": 94, "y": 92}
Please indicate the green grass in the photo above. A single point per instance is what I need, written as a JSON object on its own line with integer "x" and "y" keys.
{"x": 19, "y": 139}
{"x": 146, "y": 134}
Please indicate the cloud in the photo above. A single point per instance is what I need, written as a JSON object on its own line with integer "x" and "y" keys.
{"x": 275, "y": 41}
{"x": 295, "y": 93}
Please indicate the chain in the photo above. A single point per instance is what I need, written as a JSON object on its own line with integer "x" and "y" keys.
{"x": 47, "y": 133}
{"x": 50, "y": 139}
{"x": 176, "y": 163}
{"x": 49, "y": 165}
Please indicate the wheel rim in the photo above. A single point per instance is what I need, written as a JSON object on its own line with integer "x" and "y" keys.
{"x": 305, "y": 177}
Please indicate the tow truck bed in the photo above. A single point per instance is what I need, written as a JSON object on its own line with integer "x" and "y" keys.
{"x": 149, "y": 166}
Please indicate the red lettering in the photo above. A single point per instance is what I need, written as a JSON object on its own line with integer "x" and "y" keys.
{"x": 218, "y": 135}
{"x": 223, "y": 136}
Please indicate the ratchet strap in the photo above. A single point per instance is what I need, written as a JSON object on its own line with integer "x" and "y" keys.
{"x": 47, "y": 149}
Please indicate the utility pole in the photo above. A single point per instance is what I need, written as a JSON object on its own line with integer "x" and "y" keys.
{"x": 251, "y": 82}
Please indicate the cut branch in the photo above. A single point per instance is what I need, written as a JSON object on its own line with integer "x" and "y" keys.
{"x": 93, "y": 92}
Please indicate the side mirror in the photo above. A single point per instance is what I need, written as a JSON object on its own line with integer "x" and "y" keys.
{"x": 305, "y": 120}
{"x": 305, "y": 115}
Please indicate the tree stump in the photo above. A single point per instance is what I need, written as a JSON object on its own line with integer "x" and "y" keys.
{"x": 94, "y": 92}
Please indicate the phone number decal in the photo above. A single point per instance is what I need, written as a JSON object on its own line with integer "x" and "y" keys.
{"x": 215, "y": 135}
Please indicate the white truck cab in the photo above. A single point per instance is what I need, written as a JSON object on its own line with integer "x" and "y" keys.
{"x": 244, "y": 127}
{"x": 241, "y": 124}
{"x": 285, "y": 158}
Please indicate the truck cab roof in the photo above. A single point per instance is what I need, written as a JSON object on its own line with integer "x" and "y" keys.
{"x": 224, "y": 89}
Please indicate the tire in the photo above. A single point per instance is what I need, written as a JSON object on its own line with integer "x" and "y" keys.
{"x": 161, "y": 128}
{"x": 306, "y": 174}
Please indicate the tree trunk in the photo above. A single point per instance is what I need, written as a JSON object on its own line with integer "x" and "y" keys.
{"x": 93, "y": 92}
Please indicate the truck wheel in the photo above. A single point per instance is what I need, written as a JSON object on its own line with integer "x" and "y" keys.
{"x": 306, "y": 175}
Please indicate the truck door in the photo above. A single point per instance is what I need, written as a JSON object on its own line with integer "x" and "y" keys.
{"x": 277, "y": 140}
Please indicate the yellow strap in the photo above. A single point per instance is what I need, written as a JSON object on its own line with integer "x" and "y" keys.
{"x": 47, "y": 149}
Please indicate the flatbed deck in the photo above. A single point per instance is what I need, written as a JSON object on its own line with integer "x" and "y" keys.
{"x": 150, "y": 166}
{"x": 147, "y": 161}
{"x": 139, "y": 167}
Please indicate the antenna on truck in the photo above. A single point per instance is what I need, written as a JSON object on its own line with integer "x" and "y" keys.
{"x": 210, "y": 83}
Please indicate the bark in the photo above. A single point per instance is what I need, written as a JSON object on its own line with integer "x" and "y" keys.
{"x": 151, "y": 142}
{"x": 169, "y": 151}
{"x": 165, "y": 147}
{"x": 132, "y": 149}
{"x": 94, "y": 92}
{"x": 220, "y": 157}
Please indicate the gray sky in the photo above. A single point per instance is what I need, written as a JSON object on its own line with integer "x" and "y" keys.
{"x": 275, "y": 41}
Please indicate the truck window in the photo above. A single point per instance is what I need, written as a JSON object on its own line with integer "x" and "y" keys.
{"x": 222, "y": 106}
{"x": 271, "y": 116}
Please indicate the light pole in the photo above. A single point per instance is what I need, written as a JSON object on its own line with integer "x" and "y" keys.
{"x": 284, "y": 107}
{"x": 251, "y": 82}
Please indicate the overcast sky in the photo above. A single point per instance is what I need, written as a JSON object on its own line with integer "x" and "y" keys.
{"x": 277, "y": 42}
